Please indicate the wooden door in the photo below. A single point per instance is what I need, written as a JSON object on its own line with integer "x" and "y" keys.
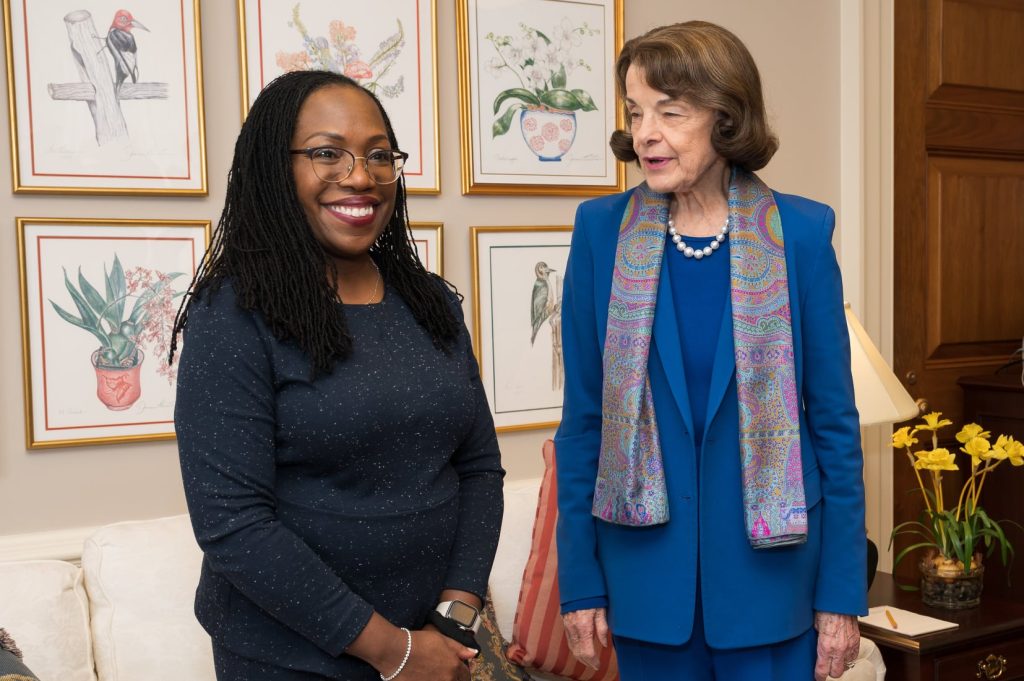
{"x": 958, "y": 206}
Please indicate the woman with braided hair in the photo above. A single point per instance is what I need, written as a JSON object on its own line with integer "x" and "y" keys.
{"x": 339, "y": 459}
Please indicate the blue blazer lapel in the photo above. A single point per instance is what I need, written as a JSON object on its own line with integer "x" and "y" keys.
{"x": 669, "y": 349}
{"x": 725, "y": 364}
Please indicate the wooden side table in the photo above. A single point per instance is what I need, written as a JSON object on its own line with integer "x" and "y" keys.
{"x": 988, "y": 644}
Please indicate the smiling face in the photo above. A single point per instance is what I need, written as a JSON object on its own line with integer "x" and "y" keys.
{"x": 672, "y": 139}
{"x": 346, "y": 217}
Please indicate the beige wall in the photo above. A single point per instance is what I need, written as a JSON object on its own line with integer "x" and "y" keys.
{"x": 795, "y": 42}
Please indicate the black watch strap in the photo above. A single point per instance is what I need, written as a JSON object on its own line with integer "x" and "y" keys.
{"x": 453, "y": 631}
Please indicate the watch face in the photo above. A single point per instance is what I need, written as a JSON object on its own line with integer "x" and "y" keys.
{"x": 464, "y": 614}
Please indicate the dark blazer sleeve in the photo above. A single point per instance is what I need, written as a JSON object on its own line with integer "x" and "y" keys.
{"x": 478, "y": 464}
{"x": 834, "y": 430}
{"x": 225, "y": 421}
{"x": 578, "y": 439}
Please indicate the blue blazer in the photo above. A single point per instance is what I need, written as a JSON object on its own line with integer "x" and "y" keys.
{"x": 648, "y": 576}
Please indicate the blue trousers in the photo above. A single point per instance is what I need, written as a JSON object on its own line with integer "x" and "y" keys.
{"x": 791, "y": 660}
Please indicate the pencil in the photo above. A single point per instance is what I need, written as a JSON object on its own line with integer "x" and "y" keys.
{"x": 892, "y": 620}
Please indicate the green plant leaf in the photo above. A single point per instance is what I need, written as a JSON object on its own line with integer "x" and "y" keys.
{"x": 119, "y": 290}
{"x": 588, "y": 102}
{"x": 992, "y": 526}
{"x": 970, "y": 539}
{"x": 89, "y": 292}
{"x": 78, "y": 322}
{"x": 558, "y": 77}
{"x": 502, "y": 124}
{"x": 925, "y": 531}
{"x": 560, "y": 98}
{"x": 912, "y": 547}
{"x": 89, "y": 318}
{"x": 543, "y": 37}
{"x": 122, "y": 346}
{"x": 515, "y": 93}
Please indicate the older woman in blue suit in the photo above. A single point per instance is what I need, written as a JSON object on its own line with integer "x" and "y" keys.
{"x": 711, "y": 504}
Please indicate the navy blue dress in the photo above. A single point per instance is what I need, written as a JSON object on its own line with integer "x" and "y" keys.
{"x": 318, "y": 502}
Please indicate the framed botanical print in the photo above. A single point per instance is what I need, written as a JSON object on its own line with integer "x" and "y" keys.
{"x": 517, "y": 321}
{"x": 104, "y": 100}
{"x": 98, "y": 302}
{"x": 428, "y": 237}
{"x": 537, "y": 96}
{"x": 389, "y": 48}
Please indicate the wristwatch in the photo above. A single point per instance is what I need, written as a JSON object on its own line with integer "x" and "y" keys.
{"x": 461, "y": 613}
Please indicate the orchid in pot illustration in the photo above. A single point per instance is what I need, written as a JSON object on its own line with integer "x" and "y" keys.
{"x": 338, "y": 52}
{"x": 543, "y": 63}
{"x": 123, "y": 330}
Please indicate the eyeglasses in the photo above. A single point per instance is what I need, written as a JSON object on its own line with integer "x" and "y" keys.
{"x": 334, "y": 164}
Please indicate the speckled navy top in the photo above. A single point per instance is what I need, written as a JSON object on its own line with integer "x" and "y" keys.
{"x": 317, "y": 502}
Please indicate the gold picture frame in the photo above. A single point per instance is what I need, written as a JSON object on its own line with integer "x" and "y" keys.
{"x": 125, "y": 126}
{"x": 517, "y": 287}
{"x": 527, "y": 129}
{"x": 119, "y": 281}
{"x": 407, "y": 85}
{"x": 428, "y": 238}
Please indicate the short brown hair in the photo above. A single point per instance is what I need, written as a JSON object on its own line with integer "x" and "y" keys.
{"x": 709, "y": 66}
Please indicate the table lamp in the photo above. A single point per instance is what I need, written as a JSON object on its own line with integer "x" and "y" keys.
{"x": 879, "y": 395}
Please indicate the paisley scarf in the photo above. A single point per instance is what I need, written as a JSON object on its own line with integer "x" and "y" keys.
{"x": 630, "y": 487}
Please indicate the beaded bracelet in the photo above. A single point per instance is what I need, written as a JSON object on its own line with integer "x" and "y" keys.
{"x": 408, "y": 651}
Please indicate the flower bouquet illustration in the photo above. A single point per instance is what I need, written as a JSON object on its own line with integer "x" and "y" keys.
{"x": 123, "y": 330}
{"x": 543, "y": 63}
{"x": 338, "y": 52}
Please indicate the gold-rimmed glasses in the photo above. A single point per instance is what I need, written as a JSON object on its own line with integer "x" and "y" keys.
{"x": 334, "y": 164}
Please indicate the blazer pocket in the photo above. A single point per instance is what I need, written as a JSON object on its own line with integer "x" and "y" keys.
{"x": 812, "y": 487}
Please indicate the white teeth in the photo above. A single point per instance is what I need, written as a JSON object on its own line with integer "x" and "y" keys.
{"x": 354, "y": 211}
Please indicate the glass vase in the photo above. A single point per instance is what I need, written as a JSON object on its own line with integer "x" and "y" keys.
{"x": 948, "y": 587}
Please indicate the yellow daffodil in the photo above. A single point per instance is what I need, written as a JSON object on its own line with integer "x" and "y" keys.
{"x": 903, "y": 438}
{"x": 978, "y": 448}
{"x": 957, "y": 538}
{"x": 999, "y": 448}
{"x": 1008, "y": 448}
{"x": 940, "y": 459}
{"x": 971, "y": 431}
{"x": 934, "y": 421}
{"x": 1015, "y": 452}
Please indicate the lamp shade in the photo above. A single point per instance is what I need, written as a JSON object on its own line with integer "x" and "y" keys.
{"x": 880, "y": 396}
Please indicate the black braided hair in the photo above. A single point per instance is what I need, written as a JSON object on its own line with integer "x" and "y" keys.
{"x": 265, "y": 246}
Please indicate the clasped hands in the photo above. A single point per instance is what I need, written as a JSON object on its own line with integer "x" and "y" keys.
{"x": 838, "y": 639}
{"x": 435, "y": 657}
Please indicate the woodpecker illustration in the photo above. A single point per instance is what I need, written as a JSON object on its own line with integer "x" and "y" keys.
{"x": 121, "y": 44}
{"x": 543, "y": 303}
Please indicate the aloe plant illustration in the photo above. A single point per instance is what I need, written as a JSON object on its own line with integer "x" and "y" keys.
{"x": 107, "y": 315}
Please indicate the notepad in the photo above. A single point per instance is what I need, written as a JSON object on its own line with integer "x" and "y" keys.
{"x": 907, "y": 623}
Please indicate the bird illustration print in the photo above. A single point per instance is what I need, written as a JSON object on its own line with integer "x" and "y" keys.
{"x": 546, "y": 306}
{"x": 123, "y": 49}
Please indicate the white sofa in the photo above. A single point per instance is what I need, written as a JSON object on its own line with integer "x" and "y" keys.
{"x": 126, "y": 614}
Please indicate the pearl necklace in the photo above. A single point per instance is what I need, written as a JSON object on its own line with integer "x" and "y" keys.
{"x": 696, "y": 253}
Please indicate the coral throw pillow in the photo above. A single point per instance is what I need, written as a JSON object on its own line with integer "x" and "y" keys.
{"x": 538, "y": 638}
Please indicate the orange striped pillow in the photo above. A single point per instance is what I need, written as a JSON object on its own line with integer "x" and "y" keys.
{"x": 538, "y": 638}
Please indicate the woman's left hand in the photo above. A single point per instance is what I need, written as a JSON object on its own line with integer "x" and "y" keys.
{"x": 838, "y": 644}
